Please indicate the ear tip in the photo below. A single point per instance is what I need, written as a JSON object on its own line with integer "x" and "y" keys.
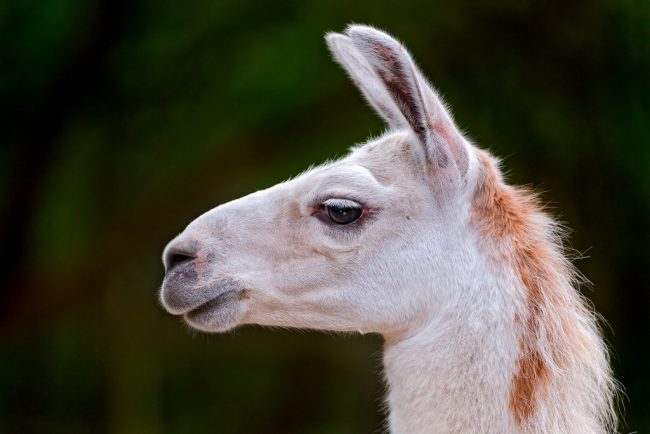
{"x": 336, "y": 43}
{"x": 360, "y": 28}
{"x": 332, "y": 37}
{"x": 365, "y": 32}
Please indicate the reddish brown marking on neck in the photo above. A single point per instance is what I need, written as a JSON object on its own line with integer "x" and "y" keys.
{"x": 502, "y": 215}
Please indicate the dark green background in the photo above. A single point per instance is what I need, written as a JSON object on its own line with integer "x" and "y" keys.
{"x": 120, "y": 121}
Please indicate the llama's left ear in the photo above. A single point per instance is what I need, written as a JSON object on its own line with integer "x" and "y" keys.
{"x": 386, "y": 74}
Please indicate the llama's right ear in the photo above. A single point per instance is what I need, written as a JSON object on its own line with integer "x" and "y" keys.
{"x": 366, "y": 79}
{"x": 388, "y": 78}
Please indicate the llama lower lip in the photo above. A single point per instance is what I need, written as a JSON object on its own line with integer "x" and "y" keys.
{"x": 207, "y": 308}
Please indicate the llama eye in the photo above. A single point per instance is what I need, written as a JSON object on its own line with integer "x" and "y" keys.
{"x": 342, "y": 212}
{"x": 343, "y": 215}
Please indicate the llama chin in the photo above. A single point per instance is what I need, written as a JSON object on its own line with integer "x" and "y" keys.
{"x": 415, "y": 236}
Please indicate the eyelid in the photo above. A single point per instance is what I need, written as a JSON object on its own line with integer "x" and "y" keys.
{"x": 343, "y": 203}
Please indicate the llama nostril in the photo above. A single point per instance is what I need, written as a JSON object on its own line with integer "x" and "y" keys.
{"x": 177, "y": 258}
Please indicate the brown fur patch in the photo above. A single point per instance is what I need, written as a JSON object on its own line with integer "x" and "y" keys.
{"x": 503, "y": 215}
{"x": 531, "y": 373}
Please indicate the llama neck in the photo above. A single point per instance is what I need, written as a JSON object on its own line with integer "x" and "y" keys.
{"x": 453, "y": 376}
{"x": 463, "y": 373}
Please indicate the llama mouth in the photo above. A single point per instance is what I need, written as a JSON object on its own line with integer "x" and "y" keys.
{"x": 212, "y": 304}
{"x": 216, "y": 314}
{"x": 183, "y": 293}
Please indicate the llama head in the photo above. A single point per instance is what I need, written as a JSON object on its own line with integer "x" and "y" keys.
{"x": 376, "y": 241}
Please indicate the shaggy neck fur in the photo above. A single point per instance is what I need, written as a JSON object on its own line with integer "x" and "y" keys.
{"x": 527, "y": 356}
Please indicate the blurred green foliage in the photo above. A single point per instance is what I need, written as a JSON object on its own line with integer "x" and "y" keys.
{"x": 121, "y": 121}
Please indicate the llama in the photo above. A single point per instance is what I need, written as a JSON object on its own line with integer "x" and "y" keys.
{"x": 415, "y": 236}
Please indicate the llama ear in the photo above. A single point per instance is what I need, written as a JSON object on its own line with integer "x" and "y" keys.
{"x": 391, "y": 82}
{"x": 366, "y": 79}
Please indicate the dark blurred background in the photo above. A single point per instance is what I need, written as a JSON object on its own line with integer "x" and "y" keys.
{"x": 121, "y": 121}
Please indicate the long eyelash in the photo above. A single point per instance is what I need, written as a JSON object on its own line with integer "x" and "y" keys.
{"x": 344, "y": 203}
{"x": 319, "y": 200}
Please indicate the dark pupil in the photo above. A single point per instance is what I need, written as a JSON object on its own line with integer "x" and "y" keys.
{"x": 342, "y": 214}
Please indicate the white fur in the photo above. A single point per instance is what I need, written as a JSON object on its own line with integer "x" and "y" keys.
{"x": 414, "y": 270}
